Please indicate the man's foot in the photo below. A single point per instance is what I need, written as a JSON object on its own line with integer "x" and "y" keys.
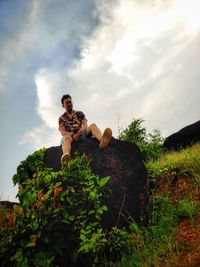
{"x": 65, "y": 157}
{"x": 107, "y": 134}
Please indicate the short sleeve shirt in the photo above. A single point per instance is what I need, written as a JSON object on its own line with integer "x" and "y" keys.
{"x": 72, "y": 124}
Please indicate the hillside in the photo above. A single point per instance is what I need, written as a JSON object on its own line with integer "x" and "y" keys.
{"x": 171, "y": 238}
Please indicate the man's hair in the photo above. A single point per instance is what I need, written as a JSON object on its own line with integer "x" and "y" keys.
{"x": 65, "y": 97}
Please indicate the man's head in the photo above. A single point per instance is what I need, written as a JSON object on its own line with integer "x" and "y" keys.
{"x": 66, "y": 101}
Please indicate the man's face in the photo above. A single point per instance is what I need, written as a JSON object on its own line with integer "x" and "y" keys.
{"x": 67, "y": 104}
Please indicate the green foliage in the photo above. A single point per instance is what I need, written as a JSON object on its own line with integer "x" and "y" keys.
{"x": 150, "y": 243}
{"x": 134, "y": 133}
{"x": 187, "y": 208}
{"x": 151, "y": 145}
{"x": 154, "y": 244}
{"x": 61, "y": 212}
{"x": 118, "y": 241}
{"x": 183, "y": 163}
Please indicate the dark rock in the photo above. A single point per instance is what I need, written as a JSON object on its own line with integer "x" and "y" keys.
{"x": 121, "y": 161}
{"x": 187, "y": 136}
{"x": 8, "y": 204}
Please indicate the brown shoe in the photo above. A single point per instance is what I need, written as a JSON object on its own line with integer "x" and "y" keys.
{"x": 107, "y": 134}
{"x": 65, "y": 158}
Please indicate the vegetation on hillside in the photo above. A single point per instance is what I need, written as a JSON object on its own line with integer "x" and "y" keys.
{"x": 172, "y": 237}
{"x": 150, "y": 144}
{"x": 60, "y": 212}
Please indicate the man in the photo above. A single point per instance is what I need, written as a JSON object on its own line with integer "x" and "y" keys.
{"x": 73, "y": 127}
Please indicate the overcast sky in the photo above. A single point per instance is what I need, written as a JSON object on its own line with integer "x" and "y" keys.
{"x": 119, "y": 60}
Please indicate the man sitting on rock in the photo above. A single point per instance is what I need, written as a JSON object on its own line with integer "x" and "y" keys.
{"x": 73, "y": 127}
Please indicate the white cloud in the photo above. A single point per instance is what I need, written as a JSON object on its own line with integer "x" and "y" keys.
{"x": 48, "y": 85}
{"x": 40, "y": 137}
{"x": 128, "y": 68}
{"x": 131, "y": 62}
{"x": 46, "y": 90}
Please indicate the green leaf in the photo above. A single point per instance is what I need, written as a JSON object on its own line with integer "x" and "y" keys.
{"x": 103, "y": 181}
{"x": 34, "y": 225}
{"x": 23, "y": 263}
{"x": 102, "y": 209}
{"x": 40, "y": 259}
{"x": 32, "y": 197}
{"x": 32, "y": 242}
{"x": 91, "y": 212}
{"x": 93, "y": 195}
{"x": 18, "y": 255}
{"x": 71, "y": 218}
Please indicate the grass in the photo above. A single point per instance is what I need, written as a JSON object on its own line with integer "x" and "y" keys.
{"x": 174, "y": 222}
{"x": 185, "y": 162}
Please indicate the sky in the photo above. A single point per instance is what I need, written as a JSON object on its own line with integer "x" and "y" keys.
{"x": 119, "y": 60}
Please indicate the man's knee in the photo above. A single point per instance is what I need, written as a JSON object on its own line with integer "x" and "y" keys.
{"x": 92, "y": 126}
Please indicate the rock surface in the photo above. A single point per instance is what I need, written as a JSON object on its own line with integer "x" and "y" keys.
{"x": 121, "y": 161}
{"x": 8, "y": 204}
{"x": 185, "y": 137}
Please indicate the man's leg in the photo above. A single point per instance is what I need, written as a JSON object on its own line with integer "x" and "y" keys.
{"x": 66, "y": 148}
{"x": 96, "y": 132}
{"x": 105, "y": 140}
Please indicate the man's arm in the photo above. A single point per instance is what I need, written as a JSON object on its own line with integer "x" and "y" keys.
{"x": 61, "y": 127}
{"x": 84, "y": 124}
{"x": 64, "y": 132}
{"x": 82, "y": 129}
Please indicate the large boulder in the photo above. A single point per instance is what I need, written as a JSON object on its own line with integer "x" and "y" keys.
{"x": 187, "y": 136}
{"x": 8, "y": 204}
{"x": 122, "y": 161}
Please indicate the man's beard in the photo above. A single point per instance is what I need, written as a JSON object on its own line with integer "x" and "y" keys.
{"x": 69, "y": 110}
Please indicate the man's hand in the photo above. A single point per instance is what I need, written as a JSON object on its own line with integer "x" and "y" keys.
{"x": 76, "y": 137}
{"x": 80, "y": 132}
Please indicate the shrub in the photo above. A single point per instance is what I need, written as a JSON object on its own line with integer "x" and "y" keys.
{"x": 59, "y": 217}
{"x": 151, "y": 145}
{"x": 60, "y": 213}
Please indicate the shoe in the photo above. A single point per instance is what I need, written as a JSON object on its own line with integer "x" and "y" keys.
{"x": 105, "y": 138}
{"x": 65, "y": 157}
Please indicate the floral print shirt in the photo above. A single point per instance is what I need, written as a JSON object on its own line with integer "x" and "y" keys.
{"x": 72, "y": 124}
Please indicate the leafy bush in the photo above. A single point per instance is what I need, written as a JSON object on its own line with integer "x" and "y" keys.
{"x": 60, "y": 213}
{"x": 151, "y": 145}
